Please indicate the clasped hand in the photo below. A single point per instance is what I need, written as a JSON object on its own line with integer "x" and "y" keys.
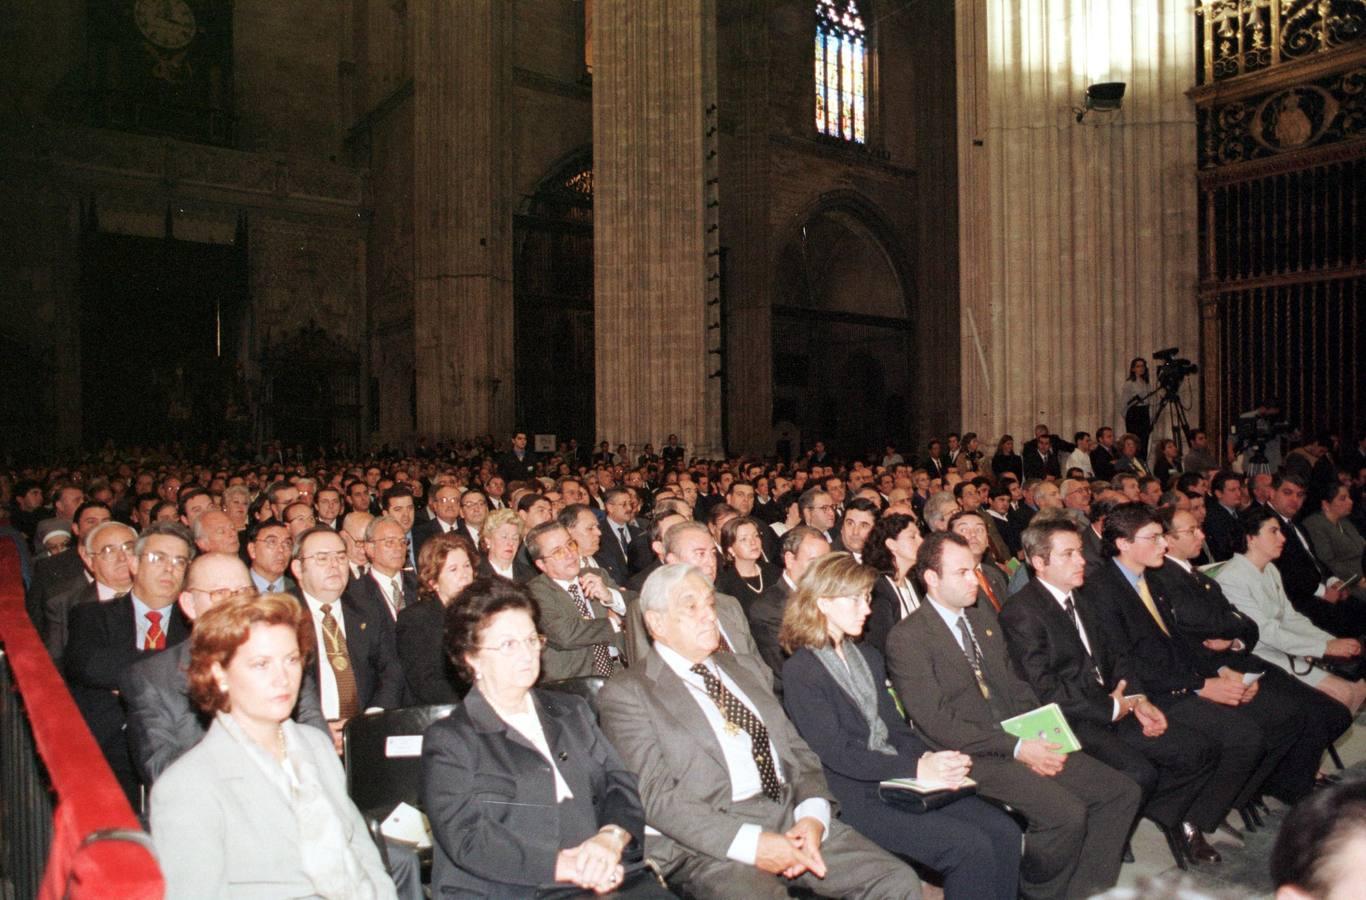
{"x": 594, "y": 865}
{"x": 947, "y": 766}
{"x": 793, "y": 853}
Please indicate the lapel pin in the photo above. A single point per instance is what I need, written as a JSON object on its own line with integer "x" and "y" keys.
{"x": 988, "y": 632}
{"x": 362, "y": 626}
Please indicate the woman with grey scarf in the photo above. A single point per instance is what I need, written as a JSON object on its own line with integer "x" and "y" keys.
{"x": 839, "y": 702}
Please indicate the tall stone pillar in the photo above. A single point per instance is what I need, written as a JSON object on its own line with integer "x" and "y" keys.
{"x": 1077, "y": 239}
{"x": 655, "y": 273}
{"x": 462, "y": 231}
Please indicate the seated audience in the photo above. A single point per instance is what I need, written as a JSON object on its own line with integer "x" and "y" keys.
{"x": 579, "y": 613}
{"x": 522, "y": 790}
{"x": 1310, "y": 585}
{"x": 260, "y": 800}
{"x": 744, "y": 574}
{"x": 1336, "y": 541}
{"x": 445, "y": 566}
{"x": 834, "y": 692}
{"x": 735, "y": 798}
{"x": 105, "y": 552}
{"x": 801, "y": 545}
{"x": 891, "y": 552}
{"x": 500, "y": 538}
{"x": 950, "y": 669}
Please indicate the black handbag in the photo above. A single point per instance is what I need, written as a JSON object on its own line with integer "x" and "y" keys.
{"x": 923, "y": 801}
{"x": 1348, "y": 668}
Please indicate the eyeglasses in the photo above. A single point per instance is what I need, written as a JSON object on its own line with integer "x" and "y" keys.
{"x": 157, "y": 558}
{"x": 473, "y": 504}
{"x": 112, "y": 550}
{"x": 304, "y": 518}
{"x": 327, "y": 557}
{"x": 826, "y": 508}
{"x": 509, "y": 647}
{"x": 1180, "y": 531}
{"x": 273, "y": 543}
{"x": 1154, "y": 538}
{"x": 392, "y": 543}
{"x": 218, "y": 595}
{"x": 569, "y": 549}
{"x": 447, "y": 501}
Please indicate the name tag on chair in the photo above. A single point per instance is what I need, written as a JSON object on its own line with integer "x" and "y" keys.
{"x": 399, "y": 746}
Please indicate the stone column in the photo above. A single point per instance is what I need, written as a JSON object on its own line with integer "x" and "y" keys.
{"x": 1077, "y": 240}
{"x": 653, "y": 82}
{"x": 462, "y": 231}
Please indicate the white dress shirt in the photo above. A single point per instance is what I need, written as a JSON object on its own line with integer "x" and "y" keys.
{"x": 327, "y": 679}
{"x": 737, "y": 749}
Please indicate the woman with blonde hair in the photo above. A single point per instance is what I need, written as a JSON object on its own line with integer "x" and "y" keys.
{"x": 838, "y": 700}
{"x": 259, "y": 806}
{"x": 500, "y": 539}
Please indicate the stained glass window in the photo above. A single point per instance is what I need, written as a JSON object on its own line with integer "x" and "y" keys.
{"x": 841, "y": 70}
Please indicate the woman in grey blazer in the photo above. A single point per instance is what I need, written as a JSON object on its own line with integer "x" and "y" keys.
{"x": 1337, "y": 543}
{"x": 525, "y": 795}
{"x": 258, "y": 809}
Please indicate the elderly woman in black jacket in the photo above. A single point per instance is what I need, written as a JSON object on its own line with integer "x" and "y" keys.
{"x": 524, "y": 793}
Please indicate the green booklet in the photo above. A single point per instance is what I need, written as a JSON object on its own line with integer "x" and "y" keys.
{"x": 1212, "y": 569}
{"x": 1046, "y": 722}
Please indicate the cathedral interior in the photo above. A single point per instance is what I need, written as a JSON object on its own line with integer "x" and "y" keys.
{"x": 752, "y": 223}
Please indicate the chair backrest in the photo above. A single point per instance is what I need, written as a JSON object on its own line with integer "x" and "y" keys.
{"x": 586, "y": 687}
{"x": 382, "y": 752}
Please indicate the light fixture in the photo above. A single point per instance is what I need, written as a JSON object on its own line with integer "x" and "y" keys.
{"x": 1106, "y": 96}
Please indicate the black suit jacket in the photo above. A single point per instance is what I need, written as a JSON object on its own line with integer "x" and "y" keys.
{"x": 369, "y": 594}
{"x": 1223, "y": 532}
{"x": 1048, "y": 653}
{"x": 370, "y": 647}
{"x": 101, "y": 645}
{"x": 1137, "y": 649}
{"x": 610, "y": 555}
{"x": 422, "y": 531}
{"x": 765, "y": 617}
{"x": 1041, "y": 466}
{"x": 420, "y": 638}
{"x": 54, "y": 575}
{"x": 490, "y": 796}
{"x": 886, "y": 611}
{"x": 1008, "y": 462}
{"x": 514, "y": 469}
{"x": 1202, "y": 612}
{"x": 1103, "y": 462}
{"x": 1301, "y": 572}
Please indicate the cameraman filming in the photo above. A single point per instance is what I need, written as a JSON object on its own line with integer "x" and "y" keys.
{"x": 1257, "y": 436}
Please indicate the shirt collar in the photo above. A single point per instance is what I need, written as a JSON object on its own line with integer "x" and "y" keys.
{"x": 950, "y": 616}
{"x": 1185, "y": 564}
{"x": 1060, "y": 596}
{"x": 1128, "y": 576}
{"x": 675, "y": 661}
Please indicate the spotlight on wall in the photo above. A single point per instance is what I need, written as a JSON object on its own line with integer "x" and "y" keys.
{"x": 1108, "y": 96}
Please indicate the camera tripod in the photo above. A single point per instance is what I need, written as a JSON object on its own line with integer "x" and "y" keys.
{"x": 1171, "y": 400}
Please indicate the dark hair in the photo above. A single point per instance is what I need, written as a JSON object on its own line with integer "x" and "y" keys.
{"x": 569, "y": 516}
{"x": 1223, "y": 477}
{"x": 396, "y": 492}
{"x": 188, "y": 495}
{"x": 888, "y": 528}
{"x": 960, "y": 487}
{"x": 470, "y": 612}
{"x": 89, "y": 504}
{"x": 270, "y": 492}
{"x": 1187, "y": 481}
{"x": 862, "y": 504}
{"x": 1037, "y": 538}
{"x": 528, "y": 500}
{"x": 1297, "y": 480}
{"x": 1138, "y": 359}
{"x": 1080, "y": 436}
{"x": 719, "y": 511}
{"x": 255, "y": 528}
{"x": 931, "y": 555}
{"x": 1314, "y": 832}
{"x": 1252, "y": 519}
{"x": 1123, "y": 522}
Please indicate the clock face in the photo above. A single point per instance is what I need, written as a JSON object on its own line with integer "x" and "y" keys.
{"x": 166, "y": 23}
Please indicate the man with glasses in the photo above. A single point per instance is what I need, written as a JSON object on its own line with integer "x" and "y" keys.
{"x": 162, "y": 722}
{"x": 818, "y": 511}
{"x": 474, "y": 509}
{"x": 386, "y": 584}
{"x": 63, "y": 572}
{"x": 445, "y": 507}
{"x": 580, "y": 614}
{"x": 268, "y": 548}
{"x": 358, "y": 667}
{"x": 107, "y": 638}
{"x": 613, "y": 554}
{"x": 299, "y": 518}
{"x": 104, "y": 552}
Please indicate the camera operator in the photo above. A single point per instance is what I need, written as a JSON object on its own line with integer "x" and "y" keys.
{"x": 1257, "y": 436}
{"x": 1134, "y": 396}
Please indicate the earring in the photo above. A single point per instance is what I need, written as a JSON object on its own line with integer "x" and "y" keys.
{"x": 223, "y": 686}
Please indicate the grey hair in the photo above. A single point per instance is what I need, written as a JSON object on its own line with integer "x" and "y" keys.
{"x": 375, "y": 523}
{"x": 939, "y": 507}
{"x": 676, "y": 533}
{"x": 89, "y": 541}
{"x": 169, "y": 529}
{"x": 237, "y": 489}
{"x": 659, "y": 588}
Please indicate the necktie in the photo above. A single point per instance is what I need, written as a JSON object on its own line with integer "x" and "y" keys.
{"x": 1146, "y": 596}
{"x": 602, "y": 657}
{"x": 739, "y": 717}
{"x": 156, "y": 638}
{"x": 986, "y": 588}
{"x": 1076, "y": 621}
{"x": 724, "y": 645}
{"x": 396, "y": 588}
{"x": 625, "y": 542}
{"x": 974, "y": 659}
{"x": 334, "y": 645}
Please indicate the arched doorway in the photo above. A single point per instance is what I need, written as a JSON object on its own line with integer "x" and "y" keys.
{"x": 842, "y": 365}
{"x": 553, "y": 292}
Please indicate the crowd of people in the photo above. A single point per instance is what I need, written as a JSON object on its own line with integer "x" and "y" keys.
{"x": 769, "y": 643}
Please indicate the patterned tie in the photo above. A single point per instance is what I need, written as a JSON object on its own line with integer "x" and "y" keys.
{"x": 1146, "y": 596}
{"x": 334, "y": 645}
{"x": 1076, "y": 620}
{"x": 396, "y": 589}
{"x": 739, "y": 717}
{"x": 974, "y": 658}
{"x": 986, "y": 588}
{"x": 156, "y": 638}
{"x": 625, "y": 541}
{"x": 602, "y": 656}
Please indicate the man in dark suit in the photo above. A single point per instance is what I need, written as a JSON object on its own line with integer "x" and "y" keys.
{"x": 992, "y": 589}
{"x": 1219, "y": 636}
{"x": 1104, "y": 454}
{"x": 1041, "y": 458}
{"x": 269, "y": 548}
{"x": 474, "y": 509}
{"x": 162, "y": 722}
{"x": 445, "y": 506}
{"x": 741, "y": 495}
{"x": 672, "y": 453}
{"x": 107, "y": 638}
{"x": 618, "y": 533}
{"x": 358, "y": 665}
{"x": 1064, "y": 660}
{"x": 1309, "y": 584}
{"x": 519, "y": 463}
{"x": 801, "y": 545}
{"x": 949, "y": 665}
{"x": 1254, "y": 734}
{"x": 737, "y": 800}
{"x": 387, "y": 585}
{"x": 65, "y": 571}
{"x": 580, "y": 616}
{"x": 1222, "y": 529}
{"x": 934, "y": 459}
{"x": 104, "y": 552}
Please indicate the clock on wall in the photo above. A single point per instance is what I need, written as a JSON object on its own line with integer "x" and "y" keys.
{"x": 169, "y": 24}
{"x": 162, "y": 66}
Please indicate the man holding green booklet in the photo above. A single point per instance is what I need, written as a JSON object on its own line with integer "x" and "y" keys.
{"x": 949, "y": 666}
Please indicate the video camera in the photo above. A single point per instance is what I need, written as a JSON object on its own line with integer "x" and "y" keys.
{"x": 1173, "y": 370}
{"x": 1253, "y": 430}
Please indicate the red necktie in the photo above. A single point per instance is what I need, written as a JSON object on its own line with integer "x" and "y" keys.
{"x": 156, "y": 638}
{"x": 986, "y": 587}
